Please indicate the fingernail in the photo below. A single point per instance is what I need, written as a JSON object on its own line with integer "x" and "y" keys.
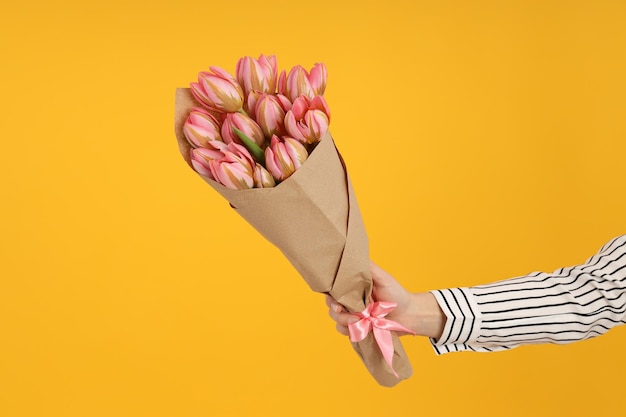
{"x": 336, "y": 308}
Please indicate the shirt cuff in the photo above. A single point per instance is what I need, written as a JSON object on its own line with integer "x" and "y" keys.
{"x": 462, "y": 326}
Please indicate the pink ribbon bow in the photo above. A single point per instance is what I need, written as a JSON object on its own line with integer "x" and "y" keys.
{"x": 373, "y": 319}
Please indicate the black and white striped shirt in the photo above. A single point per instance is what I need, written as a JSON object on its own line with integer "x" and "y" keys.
{"x": 568, "y": 305}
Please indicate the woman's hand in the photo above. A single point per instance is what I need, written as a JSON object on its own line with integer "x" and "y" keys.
{"x": 416, "y": 311}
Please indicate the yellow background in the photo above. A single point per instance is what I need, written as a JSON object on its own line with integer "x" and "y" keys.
{"x": 485, "y": 140}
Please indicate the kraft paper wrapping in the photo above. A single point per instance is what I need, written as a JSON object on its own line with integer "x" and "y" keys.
{"x": 314, "y": 219}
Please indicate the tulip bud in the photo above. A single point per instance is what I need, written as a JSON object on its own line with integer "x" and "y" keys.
{"x": 235, "y": 169}
{"x": 308, "y": 120}
{"x": 201, "y": 168}
{"x": 262, "y": 178}
{"x": 317, "y": 103}
{"x": 240, "y": 152}
{"x": 218, "y": 90}
{"x": 270, "y": 115}
{"x": 284, "y": 156}
{"x": 284, "y": 102}
{"x": 250, "y": 105}
{"x": 200, "y": 157}
{"x": 201, "y": 127}
{"x": 257, "y": 74}
{"x": 244, "y": 123}
{"x": 300, "y": 83}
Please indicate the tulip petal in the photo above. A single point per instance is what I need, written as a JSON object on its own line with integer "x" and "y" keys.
{"x": 284, "y": 102}
{"x": 271, "y": 165}
{"x": 202, "y": 169}
{"x": 251, "y": 103}
{"x": 300, "y": 106}
{"x": 319, "y": 103}
{"x": 262, "y": 178}
{"x": 297, "y": 152}
{"x": 282, "y": 83}
{"x": 318, "y": 78}
{"x": 291, "y": 125}
{"x": 222, "y": 73}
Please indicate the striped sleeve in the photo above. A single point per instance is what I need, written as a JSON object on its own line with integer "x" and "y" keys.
{"x": 565, "y": 306}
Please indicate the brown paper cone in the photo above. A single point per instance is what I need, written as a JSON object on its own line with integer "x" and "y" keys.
{"x": 314, "y": 219}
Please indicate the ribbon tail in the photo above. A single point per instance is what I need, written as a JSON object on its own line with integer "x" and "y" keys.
{"x": 389, "y": 325}
{"x": 385, "y": 343}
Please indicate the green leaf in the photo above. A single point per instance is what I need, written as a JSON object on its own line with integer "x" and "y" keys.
{"x": 255, "y": 150}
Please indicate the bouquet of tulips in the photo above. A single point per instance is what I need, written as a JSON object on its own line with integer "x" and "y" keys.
{"x": 245, "y": 134}
{"x": 261, "y": 140}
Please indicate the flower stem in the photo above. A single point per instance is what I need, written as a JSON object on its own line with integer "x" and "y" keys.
{"x": 255, "y": 150}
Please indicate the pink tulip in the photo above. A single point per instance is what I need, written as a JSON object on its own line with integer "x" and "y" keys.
{"x": 308, "y": 120}
{"x": 257, "y": 74}
{"x": 270, "y": 115}
{"x": 218, "y": 90}
{"x": 240, "y": 151}
{"x": 300, "y": 83}
{"x": 201, "y": 127}
{"x": 303, "y": 103}
{"x": 200, "y": 157}
{"x": 201, "y": 165}
{"x": 250, "y": 104}
{"x": 284, "y": 156}
{"x": 235, "y": 169}
{"x": 244, "y": 123}
{"x": 262, "y": 178}
{"x": 284, "y": 102}
{"x": 254, "y": 97}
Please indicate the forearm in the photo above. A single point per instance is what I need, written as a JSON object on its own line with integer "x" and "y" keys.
{"x": 565, "y": 306}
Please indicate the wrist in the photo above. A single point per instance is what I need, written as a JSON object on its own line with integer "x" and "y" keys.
{"x": 427, "y": 317}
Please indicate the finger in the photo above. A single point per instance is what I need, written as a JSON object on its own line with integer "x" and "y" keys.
{"x": 333, "y": 305}
{"x": 343, "y": 330}
{"x": 343, "y": 319}
{"x": 329, "y": 300}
